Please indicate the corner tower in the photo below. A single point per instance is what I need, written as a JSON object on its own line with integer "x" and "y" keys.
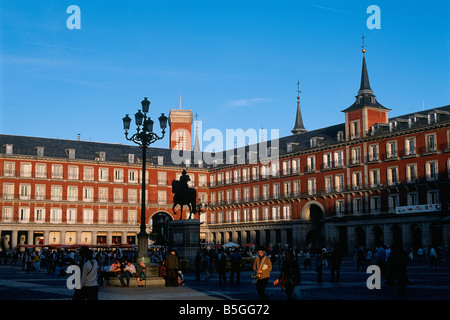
{"x": 180, "y": 122}
{"x": 366, "y": 110}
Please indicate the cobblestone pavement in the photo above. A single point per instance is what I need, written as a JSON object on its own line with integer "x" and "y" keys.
{"x": 424, "y": 284}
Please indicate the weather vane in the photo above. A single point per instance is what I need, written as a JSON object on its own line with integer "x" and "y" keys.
{"x": 363, "y": 45}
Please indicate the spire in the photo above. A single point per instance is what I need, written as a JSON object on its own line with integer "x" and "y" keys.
{"x": 298, "y": 127}
{"x": 365, "y": 84}
{"x": 365, "y": 97}
{"x": 196, "y": 140}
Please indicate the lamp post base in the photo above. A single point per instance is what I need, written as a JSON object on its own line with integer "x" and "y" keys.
{"x": 143, "y": 249}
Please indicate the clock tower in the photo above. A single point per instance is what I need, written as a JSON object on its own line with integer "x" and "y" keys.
{"x": 180, "y": 122}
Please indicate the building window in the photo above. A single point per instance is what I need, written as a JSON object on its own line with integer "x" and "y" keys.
{"x": 412, "y": 199}
{"x": 393, "y": 201}
{"x": 162, "y": 197}
{"x": 132, "y": 196}
{"x": 102, "y": 216}
{"x": 373, "y": 152}
{"x": 374, "y": 178}
{"x": 72, "y": 193}
{"x": 410, "y": 146}
{"x": 265, "y": 192}
{"x": 8, "y": 191}
{"x": 392, "y": 176}
{"x": 246, "y": 194}
{"x": 287, "y": 189}
{"x": 276, "y": 213}
{"x": 7, "y": 215}
{"x": 118, "y": 175}
{"x": 103, "y": 194}
{"x": 25, "y": 191}
{"x": 431, "y": 170}
{"x": 255, "y": 193}
{"x": 246, "y": 215}
{"x": 310, "y": 164}
{"x": 266, "y": 213}
{"x": 328, "y": 184}
{"x": 9, "y": 168}
{"x": 55, "y": 215}
{"x": 354, "y": 130}
{"x": 295, "y": 166}
{"x": 430, "y": 143}
{"x": 41, "y": 170}
{"x": 25, "y": 170}
{"x": 118, "y": 195}
{"x": 39, "y": 192}
{"x": 356, "y": 180}
{"x": 311, "y": 186}
{"x": 24, "y": 215}
{"x": 132, "y": 217}
{"x": 57, "y": 171}
{"x": 237, "y": 176}
{"x": 327, "y": 160}
{"x": 340, "y": 208}
{"x": 276, "y": 190}
{"x": 391, "y": 150}
{"x": 375, "y": 205}
{"x": 88, "y": 194}
{"x": 255, "y": 215}
{"x": 339, "y": 182}
{"x": 356, "y": 156}
{"x": 88, "y": 216}
{"x": 117, "y": 216}
{"x": 296, "y": 188}
{"x": 39, "y": 215}
{"x": 71, "y": 216}
{"x": 236, "y": 216}
{"x": 133, "y": 176}
{"x": 237, "y": 195}
{"x": 357, "y": 206}
{"x": 287, "y": 212}
{"x": 56, "y": 194}
{"x": 103, "y": 174}
{"x": 286, "y": 168}
{"x": 433, "y": 197}
{"x": 411, "y": 172}
{"x": 228, "y": 216}
{"x": 72, "y": 173}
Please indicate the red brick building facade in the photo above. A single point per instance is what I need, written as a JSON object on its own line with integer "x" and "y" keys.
{"x": 368, "y": 181}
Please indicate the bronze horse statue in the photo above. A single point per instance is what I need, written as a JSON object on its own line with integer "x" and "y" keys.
{"x": 184, "y": 197}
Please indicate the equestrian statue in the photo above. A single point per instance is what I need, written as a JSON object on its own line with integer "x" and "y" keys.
{"x": 183, "y": 195}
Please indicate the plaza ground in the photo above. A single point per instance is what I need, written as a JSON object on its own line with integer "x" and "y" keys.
{"x": 425, "y": 284}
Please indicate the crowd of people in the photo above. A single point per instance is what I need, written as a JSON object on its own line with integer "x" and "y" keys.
{"x": 224, "y": 263}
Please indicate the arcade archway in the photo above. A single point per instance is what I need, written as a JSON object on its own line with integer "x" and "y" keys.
{"x": 314, "y": 213}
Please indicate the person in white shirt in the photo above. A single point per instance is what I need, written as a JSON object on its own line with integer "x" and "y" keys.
{"x": 129, "y": 271}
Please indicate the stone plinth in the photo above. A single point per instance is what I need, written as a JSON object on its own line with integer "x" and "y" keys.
{"x": 185, "y": 239}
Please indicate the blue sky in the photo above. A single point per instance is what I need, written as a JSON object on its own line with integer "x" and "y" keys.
{"x": 235, "y": 63}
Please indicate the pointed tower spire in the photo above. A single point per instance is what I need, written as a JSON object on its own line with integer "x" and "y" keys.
{"x": 196, "y": 140}
{"x": 298, "y": 127}
{"x": 365, "y": 84}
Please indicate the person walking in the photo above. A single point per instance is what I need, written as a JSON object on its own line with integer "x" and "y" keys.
{"x": 262, "y": 266}
{"x": 335, "y": 263}
{"x": 236, "y": 261}
{"x": 172, "y": 269}
{"x": 397, "y": 263}
{"x": 89, "y": 276}
{"x": 290, "y": 274}
{"x": 221, "y": 266}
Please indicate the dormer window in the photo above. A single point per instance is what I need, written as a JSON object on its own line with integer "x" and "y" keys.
{"x": 39, "y": 151}
{"x": 340, "y": 136}
{"x": 101, "y": 156}
{"x": 354, "y": 130}
{"x": 8, "y": 148}
{"x": 70, "y": 153}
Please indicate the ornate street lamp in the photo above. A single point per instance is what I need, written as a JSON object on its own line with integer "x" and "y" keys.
{"x": 144, "y": 137}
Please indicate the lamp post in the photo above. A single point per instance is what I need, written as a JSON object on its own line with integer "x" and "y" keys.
{"x": 144, "y": 137}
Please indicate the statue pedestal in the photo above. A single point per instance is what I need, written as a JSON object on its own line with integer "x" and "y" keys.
{"x": 185, "y": 239}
